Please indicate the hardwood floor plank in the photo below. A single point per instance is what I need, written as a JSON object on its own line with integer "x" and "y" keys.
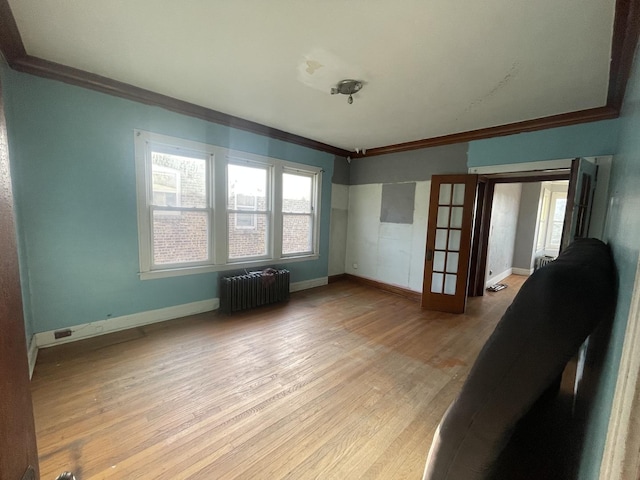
{"x": 343, "y": 381}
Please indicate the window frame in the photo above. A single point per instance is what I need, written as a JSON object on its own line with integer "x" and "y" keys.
{"x": 216, "y": 172}
{"x": 314, "y": 210}
{"x": 243, "y": 161}
{"x": 549, "y": 196}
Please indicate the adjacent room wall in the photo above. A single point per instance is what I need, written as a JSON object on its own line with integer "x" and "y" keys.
{"x": 388, "y": 252}
{"x": 74, "y": 181}
{"x": 502, "y": 231}
{"x": 527, "y": 229}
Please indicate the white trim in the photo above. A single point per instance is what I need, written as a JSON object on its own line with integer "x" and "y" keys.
{"x": 101, "y": 327}
{"x": 523, "y": 167}
{"x": 522, "y": 271}
{"x": 306, "y": 284}
{"x": 619, "y": 435}
{"x": 32, "y": 355}
{"x": 218, "y": 158}
{"x": 498, "y": 277}
{"x": 177, "y": 272}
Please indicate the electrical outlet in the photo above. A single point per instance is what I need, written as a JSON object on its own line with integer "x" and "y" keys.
{"x": 62, "y": 333}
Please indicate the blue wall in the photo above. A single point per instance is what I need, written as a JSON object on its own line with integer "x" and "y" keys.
{"x": 620, "y": 138}
{"x": 584, "y": 140}
{"x": 623, "y": 232}
{"x": 72, "y": 160}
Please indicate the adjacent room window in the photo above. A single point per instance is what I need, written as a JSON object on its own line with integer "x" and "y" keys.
{"x": 206, "y": 208}
{"x": 551, "y": 221}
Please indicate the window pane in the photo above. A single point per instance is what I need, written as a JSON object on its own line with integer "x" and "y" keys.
{"x": 180, "y": 237}
{"x": 247, "y": 188}
{"x": 560, "y": 207}
{"x": 248, "y": 235}
{"x": 296, "y": 193}
{"x": 296, "y": 234}
{"x": 178, "y": 181}
{"x": 556, "y": 234}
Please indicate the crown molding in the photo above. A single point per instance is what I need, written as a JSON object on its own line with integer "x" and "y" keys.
{"x": 624, "y": 41}
{"x": 561, "y": 120}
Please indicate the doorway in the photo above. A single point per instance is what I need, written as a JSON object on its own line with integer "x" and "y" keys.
{"x": 482, "y": 246}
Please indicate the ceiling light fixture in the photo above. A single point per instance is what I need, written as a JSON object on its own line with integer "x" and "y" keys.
{"x": 347, "y": 87}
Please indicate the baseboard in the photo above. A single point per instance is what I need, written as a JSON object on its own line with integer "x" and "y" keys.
{"x": 403, "y": 292}
{"x": 497, "y": 278}
{"x": 305, "y": 284}
{"x": 101, "y": 327}
{"x": 337, "y": 278}
{"x": 522, "y": 271}
{"x": 32, "y": 354}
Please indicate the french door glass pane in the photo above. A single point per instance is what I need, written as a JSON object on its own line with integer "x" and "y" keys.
{"x": 441, "y": 239}
{"x": 452, "y": 262}
{"x": 450, "y": 284}
{"x": 444, "y": 197}
{"x": 454, "y": 240}
{"x": 443, "y": 217}
{"x": 456, "y": 217}
{"x": 438, "y": 261}
{"x": 189, "y": 230}
{"x": 437, "y": 280}
{"x": 247, "y": 239}
{"x": 458, "y": 194}
{"x": 178, "y": 181}
{"x": 296, "y": 234}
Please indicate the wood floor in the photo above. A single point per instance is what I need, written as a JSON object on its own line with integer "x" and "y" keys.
{"x": 342, "y": 382}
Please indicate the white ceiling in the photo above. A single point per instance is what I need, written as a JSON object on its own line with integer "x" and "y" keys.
{"x": 431, "y": 67}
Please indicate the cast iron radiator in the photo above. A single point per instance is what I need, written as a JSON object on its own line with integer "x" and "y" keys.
{"x": 253, "y": 289}
{"x": 542, "y": 261}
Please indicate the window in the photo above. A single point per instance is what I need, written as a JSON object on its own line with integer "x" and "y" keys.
{"x": 297, "y": 212}
{"x": 206, "y": 208}
{"x": 248, "y": 189}
{"x": 553, "y": 203}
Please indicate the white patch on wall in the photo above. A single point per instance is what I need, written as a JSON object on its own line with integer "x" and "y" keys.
{"x": 389, "y": 253}
{"x": 338, "y": 228}
{"x": 419, "y": 235}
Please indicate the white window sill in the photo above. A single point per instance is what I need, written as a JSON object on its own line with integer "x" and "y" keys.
{"x": 178, "y": 272}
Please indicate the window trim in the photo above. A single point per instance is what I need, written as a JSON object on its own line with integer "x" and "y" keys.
{"x": 314, "y": 209}
{"x": 217, "y": 160}
{"x": 270, "y": 181}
